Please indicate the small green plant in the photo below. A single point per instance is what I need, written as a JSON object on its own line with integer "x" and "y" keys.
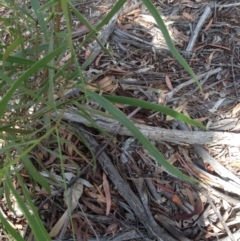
{"x": 31, "y": 75}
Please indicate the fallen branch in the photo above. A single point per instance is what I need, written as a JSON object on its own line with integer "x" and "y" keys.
{"x": 156, "y": 133}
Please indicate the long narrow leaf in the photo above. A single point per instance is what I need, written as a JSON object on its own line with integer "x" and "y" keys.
{"x": 41, "y": 21}
{"x": 107, "y": 18}
{"x": 34, "y": 221}
{"x": 151, "y": 106}
{"x": 27, "y": 74}
{"x": 32, "y": 171}
{"x": 11, "y": 48}
{"x": 141, "y": 138}
{"x": 155, "y": 13}
{"x": 10, "y": 229}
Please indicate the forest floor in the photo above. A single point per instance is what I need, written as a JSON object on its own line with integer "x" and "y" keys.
{"x": 128, "y": 196}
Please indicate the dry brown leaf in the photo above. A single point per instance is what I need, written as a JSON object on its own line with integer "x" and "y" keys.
{"x": 99, "y": 197}
{"x": 107, "y": 84}
{"x": 198, "y": 208}
{"x": 168, "y": 82}
{"x": 87, "y": 53}
{"x": 126, "y": 27}
{"x": 178, "y": 109}
{"x": 209, "y": 60}
{"x": 98, "y": 59}
{"x": 206, "y": 95}
{"x": 112, "y": 229}
{"x": 176, "y": 199}
{"x": 201, "y": 119}
{"x": 187, "y": 16}
{"x": 190, "y": 196}
{"x": 69, "y": 147}
{"x": 76, "y": 194}
{"x": 92, "y": 87}
{"x": 164, "y": 188}
{"x": 211, "y": 45}
{"x": 208, "y": 25}
{"x": 93, "y": 207}
{"x": 185, "y": 112}
{"x": 107, "y": 194}
{"x": 172, "y": 159}
{"x": 236, "y": 109}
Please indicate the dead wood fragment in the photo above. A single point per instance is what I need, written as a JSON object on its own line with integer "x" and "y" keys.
{"x": 191, "y": 81}
{"x": 217, "y": 182}
{"x": 156, "y": 133}
{"x": 124, "y": 190}
{"x": 96, "y": 47}
{"x": 218, "y": 167}
{"x": 196, "y": 31}
{"x": 219, "y": 216}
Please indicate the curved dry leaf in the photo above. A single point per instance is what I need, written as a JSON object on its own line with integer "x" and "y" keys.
{"x": 112, "y": 229}
{"x": 92, "y": 87}
{"x": 107, "y": 194}
{"x": 208, "y": 25}
{"x": 93, "y": 207}
{"x": 187, "y": 16}
{"x": 198, "y": 208}
{"x": 168, "y": 82}
{"x": 236, "y": 109}
{"x": 107, "y": 84}
{"x": 98, "y": 59}
{"x": 76, "y": 191}
{"x": 176, "y": 199}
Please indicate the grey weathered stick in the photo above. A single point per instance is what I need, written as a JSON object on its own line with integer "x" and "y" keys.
{"x": 218, "y": 167}
{"x": 156, "y": 133}
{"x": 95, "y": 49}
{"x": 219, "y": 215}
{"x": 198, "y": 28}
{"x": 189, "y": 82}
{"x": 217, "y": 182}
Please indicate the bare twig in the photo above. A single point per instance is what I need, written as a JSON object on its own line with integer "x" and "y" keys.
{"x": 218, "y": 167}
{"x": 219, "y": 215}
{"x": 198, "y": 28}
{"x": 189, "y": 82}
{"x": 96, "y": 47}
{"x": 234, "y": 79}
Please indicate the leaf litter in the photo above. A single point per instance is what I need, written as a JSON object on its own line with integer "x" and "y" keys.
{"x": 142, "y": 67}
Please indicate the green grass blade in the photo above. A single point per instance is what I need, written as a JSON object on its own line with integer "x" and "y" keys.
{"x": 140, "y": 137}
{"x": 18, "y": 60}
{"x": 33, "y": 172}
{"x": 28, "y": 73}
{"x": 11, "y": 48}
{"x": 41, "y": 21}
{"x": 107, "y": 18}
{"x": 11, "y": 231}
{"x": 152, "y": 9}
{"x": 24, "y": 153}
{"x": 37, "y": 96}
{"x": 8, "y": 129}
{"x": 34, "y": 220}
{"x": 156, "y": 107}
{"x": 48, "y": 5}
